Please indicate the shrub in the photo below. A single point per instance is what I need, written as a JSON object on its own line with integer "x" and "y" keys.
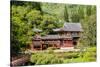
{"x": 42, "y": 58}
{"x": 89, "y": 56}
{"x": 92, "y": 49}
{"x": 34, "y": 59}
{"x": 51, "y": 48}
{"x": 79, "y": 59}
{"x": 71, "y": 55}
{"x": 85, "y": 56}
{"x": 64, "y": 57}
{"x": 50, "y": 51}
{"x": 88, "y": 59}
{"x": 73, "y": 60}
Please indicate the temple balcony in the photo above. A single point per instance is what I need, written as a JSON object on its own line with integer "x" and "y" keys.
{"x": 75, "y": 35}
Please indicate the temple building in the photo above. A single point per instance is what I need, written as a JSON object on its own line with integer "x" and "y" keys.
{"x": 67, "y": 37}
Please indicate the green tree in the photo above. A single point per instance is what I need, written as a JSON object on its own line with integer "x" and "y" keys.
{"x": 66, "y": 17}
{"x": 81, "y": 12}
{"x": 89, "y": 35}
{"x": 88, "y": 10}
{"x": 23, "y": 14}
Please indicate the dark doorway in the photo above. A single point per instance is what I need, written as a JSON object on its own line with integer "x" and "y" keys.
{"x": 74, "y": 43}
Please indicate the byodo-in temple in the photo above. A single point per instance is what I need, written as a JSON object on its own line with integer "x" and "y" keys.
{"x": 67, "y": 37}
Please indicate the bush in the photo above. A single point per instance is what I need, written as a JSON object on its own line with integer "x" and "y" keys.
{"x": 86, "y": 56}
{"x": 73, "y": 60}
{"x": 42, "y": 58}
{"x": 64, "y": 57}
{"x": 71, "y": 55}
{"x": 92, "y": 49}
{"x": 89, "y": 56}
{"x": 50, "y": 51}
{"x": 51, "y": 48}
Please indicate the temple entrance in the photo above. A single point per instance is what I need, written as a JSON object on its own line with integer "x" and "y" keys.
{"x": 67, "y": 43}
{"x": 74, "y": 43}
{"x": 45, "y": 46}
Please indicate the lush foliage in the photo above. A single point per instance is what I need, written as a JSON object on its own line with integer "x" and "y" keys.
{"x": 25, "y": 16}
{"x": 44, "y": 58}
{"x": 64, "y": 57}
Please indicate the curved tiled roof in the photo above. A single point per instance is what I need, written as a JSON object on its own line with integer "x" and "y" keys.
{"x": 70, "y": 27}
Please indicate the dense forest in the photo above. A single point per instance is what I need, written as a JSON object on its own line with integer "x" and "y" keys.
{"x": 25, "y": 16}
